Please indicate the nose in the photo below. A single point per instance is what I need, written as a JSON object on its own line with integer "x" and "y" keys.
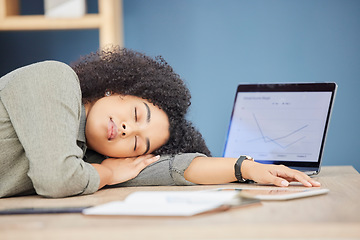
{"x": 126, "y": 129}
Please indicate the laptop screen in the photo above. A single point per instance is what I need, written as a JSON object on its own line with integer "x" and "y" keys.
{"x": 280, "y": 123}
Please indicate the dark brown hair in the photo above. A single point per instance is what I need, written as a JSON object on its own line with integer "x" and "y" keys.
{"x": 128, "y": 72}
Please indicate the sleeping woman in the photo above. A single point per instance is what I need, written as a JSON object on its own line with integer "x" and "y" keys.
{"x": 116, "y": 118}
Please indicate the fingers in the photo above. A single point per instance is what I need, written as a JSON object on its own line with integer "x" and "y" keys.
{"x": 315, "y": 183}
{"x": 278, "y": 181}
{"x": 152, "y": 160}
{"x": 145, "y": 160}
{"x": 124, "y": 169}
{"x": 284, "y": 175}
{"x": 303, "y": 178}
{"x": 279, "y": 175}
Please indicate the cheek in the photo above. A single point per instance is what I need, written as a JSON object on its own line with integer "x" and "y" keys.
{"x": 161, "y": 138}
{"x": 96, "y": 138}
{"x": 94, "y": 131}
{"x": 116, "y": 149}
{"x": 166, "y": 136}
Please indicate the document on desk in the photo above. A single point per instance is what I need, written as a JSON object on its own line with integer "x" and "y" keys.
{"x": 171, "y": 203}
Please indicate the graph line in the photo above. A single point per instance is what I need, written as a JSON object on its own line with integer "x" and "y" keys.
{"x": 267, "y": 139}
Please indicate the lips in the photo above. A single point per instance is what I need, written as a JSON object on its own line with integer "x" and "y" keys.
{"x": 112, "y": 130}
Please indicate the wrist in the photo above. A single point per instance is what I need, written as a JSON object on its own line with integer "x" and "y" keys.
{"x": 239, "y": 170}
{"x": 246, "y": 167}
{"x": 105, "y": 174}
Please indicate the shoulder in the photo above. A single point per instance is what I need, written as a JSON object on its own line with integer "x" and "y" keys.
{"x": 41, "y": 84}
{"x": 52, "y": 74}
{"x": 42, "y": 78}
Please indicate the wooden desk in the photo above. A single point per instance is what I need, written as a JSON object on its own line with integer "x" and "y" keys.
{"x": 335, "y": 215}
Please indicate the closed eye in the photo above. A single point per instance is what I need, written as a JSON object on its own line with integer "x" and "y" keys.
{"x": 135, "y": 143}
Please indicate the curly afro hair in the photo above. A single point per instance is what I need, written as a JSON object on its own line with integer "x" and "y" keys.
{"x": 127, "y": 72}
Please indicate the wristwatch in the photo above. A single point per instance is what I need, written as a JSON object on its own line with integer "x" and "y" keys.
{"x": 237, "y": 167}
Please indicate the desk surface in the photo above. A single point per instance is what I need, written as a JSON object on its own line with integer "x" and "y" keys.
{"x": 334, "y": 215}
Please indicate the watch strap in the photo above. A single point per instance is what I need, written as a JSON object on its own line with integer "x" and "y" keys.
{"x": 237, "y": 168}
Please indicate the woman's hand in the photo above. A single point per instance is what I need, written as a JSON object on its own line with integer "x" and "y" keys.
{"x": 118, "y": 170}
{"x": 278, "y": 175}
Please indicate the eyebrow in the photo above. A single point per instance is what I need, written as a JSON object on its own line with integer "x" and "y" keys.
{"x": 148, "y": 118}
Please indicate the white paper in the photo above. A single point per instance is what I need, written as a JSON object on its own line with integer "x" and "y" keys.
{"x": 164, "y": 203}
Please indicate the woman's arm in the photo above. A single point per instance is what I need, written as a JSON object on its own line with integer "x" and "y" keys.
{"x": 167, "y": 171}
{"x": 206, "y": 170}
{"x": 203, "y": 170}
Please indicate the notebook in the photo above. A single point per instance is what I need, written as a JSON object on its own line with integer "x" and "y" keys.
{"x": 281, "y": 123}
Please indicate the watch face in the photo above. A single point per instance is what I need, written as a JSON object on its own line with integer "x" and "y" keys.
{"x": 248, "y": 158}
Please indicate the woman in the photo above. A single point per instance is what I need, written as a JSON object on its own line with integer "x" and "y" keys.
{"x": 55, "y": 132}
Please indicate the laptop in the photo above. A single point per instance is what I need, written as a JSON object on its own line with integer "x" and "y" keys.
{"x": 281, "y": 123}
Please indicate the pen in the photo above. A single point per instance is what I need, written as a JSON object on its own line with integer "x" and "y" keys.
{"x": 46, "y": 210}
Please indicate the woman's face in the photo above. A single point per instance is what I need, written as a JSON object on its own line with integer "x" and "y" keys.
{"x": 125, "y": 126}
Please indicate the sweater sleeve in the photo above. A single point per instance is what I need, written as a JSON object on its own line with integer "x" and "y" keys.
{"x": 169, "y": 170}
{"x": 44, "y": 103}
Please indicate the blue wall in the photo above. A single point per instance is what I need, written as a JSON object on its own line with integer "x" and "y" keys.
{"x": 214, "y": 45}
{"x": 19, "y": 48}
